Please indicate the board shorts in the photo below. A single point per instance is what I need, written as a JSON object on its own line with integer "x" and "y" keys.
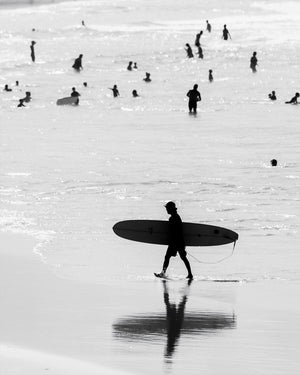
{"x": 172, "y": 251}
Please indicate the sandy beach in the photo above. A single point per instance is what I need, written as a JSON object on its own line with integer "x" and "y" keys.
{"x": 77, "y": 299}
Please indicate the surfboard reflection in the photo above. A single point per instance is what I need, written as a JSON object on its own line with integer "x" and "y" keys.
{"x": 172, "y": 324}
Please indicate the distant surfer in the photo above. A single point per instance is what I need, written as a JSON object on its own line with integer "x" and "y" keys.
{"x": 176, "y": 241}
{"x": 294, "y": 99}
{"x": 17, "y": 83}
{"x": 28, "y": 97}
{"x": 75, "y": 94}
{"x": 253, "y": 62}
{"x": 6, "y": 88}
{"x": 189, "y": 51}
{"x": 200, "y": 52}
{"x": 194, "y": 98}
{"x": 135, "y": 66}
{"x": 115, "y": 91}
{"x": 210, "y": 76}
{"x": 226, "y": 33}
{"x": 83, "y": 23}
{"x": 272, "y": 96}
{"x": 273, "y": 162}
{"x": 135, "y": 94}
{"x": 78, "y": 63}
{"x": 147, "y": 78}
{"x": 21, "y": 103}
{"x": 208, "y": 26}
{"x": 85, "y": 84}
{"x": 129, "y": 67}
{"x": 32, "y": 51}
{"x": 197, "y": 40}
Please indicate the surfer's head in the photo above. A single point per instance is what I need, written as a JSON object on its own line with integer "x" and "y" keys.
{"x": 171, "y": 207}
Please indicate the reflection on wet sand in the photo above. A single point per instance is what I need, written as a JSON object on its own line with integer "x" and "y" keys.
{"x": 174, "y": 323}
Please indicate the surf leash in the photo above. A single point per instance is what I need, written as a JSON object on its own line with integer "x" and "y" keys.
{"x": 219, "y": 261}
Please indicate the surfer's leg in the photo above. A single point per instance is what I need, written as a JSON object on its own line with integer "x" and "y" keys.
{"x": 187, "y": 264}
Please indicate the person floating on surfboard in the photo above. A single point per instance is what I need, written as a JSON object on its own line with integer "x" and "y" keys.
{"x": 176, "y": 241}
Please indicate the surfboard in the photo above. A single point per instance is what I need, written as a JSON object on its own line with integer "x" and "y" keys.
{"x": 69, "y": 100}
{"x": 157, "y": 232}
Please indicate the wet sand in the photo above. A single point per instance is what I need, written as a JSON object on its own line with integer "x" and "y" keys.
{"x": 48, "y": 323}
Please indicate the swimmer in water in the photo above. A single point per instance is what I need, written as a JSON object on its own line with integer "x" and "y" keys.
{"x": 208, "y": 26}
{"x": 129, "y": 67}
{"x": 135, "y": 94}
{"x": 6, "y": 88}
{"x": 210, "y": 75}
{"x": 194, "y": 97}
{"x": 27, "y": 98}
{"x": 272, "y": 96}
{"x": 147, "y": 78}
{"x": 200, "y": 52}
{"x": 21, "y": 103}
{"x": 115, "y": 91}
{"x": 197, "y": 40}
{"x": 273, "y": 162}
{"x": 253, "y": 62}
{"x": 32, "y": 52}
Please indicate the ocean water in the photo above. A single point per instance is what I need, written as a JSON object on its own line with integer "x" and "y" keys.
{"x": 68, "y": 174}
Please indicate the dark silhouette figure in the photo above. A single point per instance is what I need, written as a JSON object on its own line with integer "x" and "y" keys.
{"x": 272, "y": 96}
{"x": 135, "y": 94}
{"x": 197, "y": 40}
{"x": 147, "y": 78}
{"x": 253, "y": 62}
{"x": 200, "y": 52}
{"x": 129, "y": 67}
{"x": 32, "y": 52}
{"x": 208, "y": 26}
{"x": 75, "y": 94}
{"x": 21, "y": 101}
{"x": 189, "y": 51}
{"x": 78, "y": 63}
{"x": 176, "y": 242}
{"x": 6, "y": 88}
{"x": 17, "y": 83}
{"x": 28, "y": 97}
{"x": 85, "y": 84}
{"x": 210, "y": 75}
{"x": 82, "y": 23}
{"x": 115, "y": 91}
{"x": 226, "y": 33}
{"x": 274, "y": 162}
{"x": 294, "y": 99}
{"x": 135, "y": 66}
{"x": 194, "y": 98}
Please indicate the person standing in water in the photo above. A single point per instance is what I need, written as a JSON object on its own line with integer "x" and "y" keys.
{"x": 226, "y": 33}
{"x": 200, "y": 52}
{"x": 32, "y": 51}
{"x": 208, "y": 26}
{"x": 135, "y": 94}
{"x": 78, "y": 63}
{"x": 253, "y": 62}
{"x": 147, "y": 78}
{"x": 129, "y": 67}
{"x": 210, "y": 75}
{"x": 176, "y": 241}
{"x": 189, "y": 51}
{"x": 194, "y": 98}
{"x": 115, "y": 91}
{"x": 197, "y": 40}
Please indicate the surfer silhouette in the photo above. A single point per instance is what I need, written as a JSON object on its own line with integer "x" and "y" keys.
{"x": 200, "y": 52}
{"x": 6, "y": 88}
{"x": 208, "y": 26}
{"x": 210, "y": 75}
{"x": 176, "y": 241}
{"x": 28, "y": 97}
{"x": 147, "y": 78}
{"x": 129, "y": 67}
{"x": 253, "y": 62}
{"x": 78, "y": 63}
{"x": 21, "y": 103}
{"x": 294, "y": 99}
{"x": 32, "y": 52}
{"x": 226, "y": 33}
{"x": 135, "y": 94}
{"x": 197, "y": 40}
{"x": 273, "y": 162}
{"x": 194, "y": 97}
{"x": 115, "y": 91}
{"x": 189, "y": 51}
{"x": 272, "y": 96}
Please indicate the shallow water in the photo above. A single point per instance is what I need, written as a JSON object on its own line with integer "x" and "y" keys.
{"x": 68, "y": 174}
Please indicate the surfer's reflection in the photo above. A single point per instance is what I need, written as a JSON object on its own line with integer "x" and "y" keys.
{"x": 173, "y": 325}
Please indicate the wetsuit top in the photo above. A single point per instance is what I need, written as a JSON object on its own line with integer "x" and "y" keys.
{"x": 253, "y": 61}
{"x": 194, "y": 95}
{"x": 176, "y": 231}
{"x": 32, "y": 50}
{"x": 225, "y": 34}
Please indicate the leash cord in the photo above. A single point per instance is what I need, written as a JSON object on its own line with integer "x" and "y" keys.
{"x": 219, "y": 261}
